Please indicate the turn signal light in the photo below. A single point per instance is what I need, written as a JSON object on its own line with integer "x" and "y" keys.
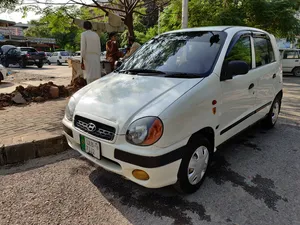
{"x": 140, "y": 175}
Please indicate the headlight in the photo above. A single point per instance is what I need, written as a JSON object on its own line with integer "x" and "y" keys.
{"x": 70, "y": 109}
{"x": 145, "y": 131}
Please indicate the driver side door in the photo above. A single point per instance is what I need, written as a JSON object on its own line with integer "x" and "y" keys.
{"x": 13, "y": 56}
{"x": 238, "y": 93}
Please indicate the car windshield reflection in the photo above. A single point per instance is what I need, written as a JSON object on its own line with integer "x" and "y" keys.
{"x": 190, "y": 54}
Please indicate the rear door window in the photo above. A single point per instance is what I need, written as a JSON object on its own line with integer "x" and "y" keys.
{"x": 290, "y": 54}
{"x": 264, "y": 53}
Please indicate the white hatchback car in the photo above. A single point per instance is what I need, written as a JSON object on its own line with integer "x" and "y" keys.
{"x": 158, "y": 119}
{"x": 290, "y": 61}
{"x": 59, "y": 57}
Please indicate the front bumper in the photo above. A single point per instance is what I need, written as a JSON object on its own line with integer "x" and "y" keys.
{"x": 162, "y": 169}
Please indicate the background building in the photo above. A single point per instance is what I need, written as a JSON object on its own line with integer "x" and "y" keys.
{"x": 12, "y": 33}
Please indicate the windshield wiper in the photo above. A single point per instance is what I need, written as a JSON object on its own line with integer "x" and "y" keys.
{"x": 136, "y": 71}
{"x": 183, "y": 75}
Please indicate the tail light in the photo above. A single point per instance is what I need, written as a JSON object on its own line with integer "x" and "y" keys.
{"x": 27, "y": 55}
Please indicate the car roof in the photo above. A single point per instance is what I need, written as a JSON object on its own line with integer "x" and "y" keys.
{"x": 5, "y": 48}
{"x": 227, "y": 29}
{"x": 290, "y": 49}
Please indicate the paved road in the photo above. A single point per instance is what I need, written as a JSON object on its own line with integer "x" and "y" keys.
{"x": 254, "y": 180}
{"x": 31, "y": 75}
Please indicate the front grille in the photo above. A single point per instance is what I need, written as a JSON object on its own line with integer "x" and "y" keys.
{"x": 95, "y": 128}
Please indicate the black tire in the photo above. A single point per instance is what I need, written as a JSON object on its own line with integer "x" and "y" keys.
{"x": 49, "y": 63}
{"x": 296, "y": 72}
{"x": 183, "y": 184}
{"x": 272, "y": 117}
{"x": 22, "y": 64}
{"x": 58, "y": 63}
{"x": 40, "y": 65}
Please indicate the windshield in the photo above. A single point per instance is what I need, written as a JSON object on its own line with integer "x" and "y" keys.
{"x": 64, "y": 53}
{"x": 190, "y": 53}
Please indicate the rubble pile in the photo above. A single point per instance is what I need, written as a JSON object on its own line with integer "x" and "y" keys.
{"x": 40, "y": 93}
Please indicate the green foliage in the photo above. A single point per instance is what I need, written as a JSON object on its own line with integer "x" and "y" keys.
{"x": 274, "y": 16}
{"x": 55, "y": 23}
{"x": 144, "y": 37}
{"x": 8, "y": 4}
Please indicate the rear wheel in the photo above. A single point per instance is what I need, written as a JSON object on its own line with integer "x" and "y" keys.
{"x": 296, "y": 72}
{"x": 194, "y": 166}
{"x": 22, "y": 64}
{"x": 40, "y": 65}
{"x": 273, "y": 114}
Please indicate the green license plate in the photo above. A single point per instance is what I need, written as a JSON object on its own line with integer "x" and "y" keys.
{"x": 90, "y": 147}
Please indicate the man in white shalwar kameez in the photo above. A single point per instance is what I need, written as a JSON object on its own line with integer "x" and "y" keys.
{"x": 90, "y": 53}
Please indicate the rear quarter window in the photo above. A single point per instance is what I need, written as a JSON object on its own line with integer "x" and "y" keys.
{"x": 264, "y": 53}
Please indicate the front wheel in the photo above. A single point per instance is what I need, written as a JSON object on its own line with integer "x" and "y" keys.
{"x": 58, "y": 63}
{"x": 194, "y": 165}
{"x": 273, "y": 114}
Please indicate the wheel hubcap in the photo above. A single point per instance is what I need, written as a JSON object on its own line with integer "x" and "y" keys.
{"x": 275, "y": 112}
{"x": 198, "y": 165}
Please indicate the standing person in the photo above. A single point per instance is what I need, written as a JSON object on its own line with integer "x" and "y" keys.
{"x": 90, "y": 52}
{"x": 133, "y": 46}
{"x": 112, "y": 50}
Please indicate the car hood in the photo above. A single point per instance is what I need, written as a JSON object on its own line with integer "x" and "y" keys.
{"x": 120, "y": 98}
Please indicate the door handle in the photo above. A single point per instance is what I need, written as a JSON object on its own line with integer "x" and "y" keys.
{"x": 251, "y": 86}
{"x": 274, "y": 75}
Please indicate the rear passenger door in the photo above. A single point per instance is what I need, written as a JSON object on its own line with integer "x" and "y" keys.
{"x": 290, "y": 60}
{"x": 267, "y": 69}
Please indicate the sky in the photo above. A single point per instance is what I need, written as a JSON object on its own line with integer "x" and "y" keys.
{"x": 17, "y": 17}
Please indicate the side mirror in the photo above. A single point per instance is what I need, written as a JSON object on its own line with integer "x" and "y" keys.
{"x": 232, "y": 68}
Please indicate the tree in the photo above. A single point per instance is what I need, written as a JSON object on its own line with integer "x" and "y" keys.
{"x": 126, "y": 9}
{"x": 56, "y": 24}
{"x": 8, "y": 4}
{"x": 275, "y": 16}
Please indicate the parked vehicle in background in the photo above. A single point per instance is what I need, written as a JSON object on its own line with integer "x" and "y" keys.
{"x": 103, "y": 56}
{"x": 30, "y": 56}
{"x": 3, "y": 72}
{"x": 78, "y": 53}
{"x": 291, "y": 61}
{"x": 158, "y": 119}
{"x": 59, "y": 57}
{"x": 24, "y": 56}
{"x": 48, "y": 54}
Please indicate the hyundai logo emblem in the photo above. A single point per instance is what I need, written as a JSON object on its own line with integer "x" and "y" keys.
{"x": 91, "y": 127}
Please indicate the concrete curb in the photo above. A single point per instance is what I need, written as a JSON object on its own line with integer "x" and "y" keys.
{"x": 31, "y": 150}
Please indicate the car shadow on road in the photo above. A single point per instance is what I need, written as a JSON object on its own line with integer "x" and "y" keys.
{"x": 167, "y": 203}
{"x": 37, "y": 163}
{"x": 6, "y": 84}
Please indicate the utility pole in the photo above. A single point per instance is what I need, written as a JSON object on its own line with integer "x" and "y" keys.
{"x": 158, "y": 21}
{"x": 184, "y": 23}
